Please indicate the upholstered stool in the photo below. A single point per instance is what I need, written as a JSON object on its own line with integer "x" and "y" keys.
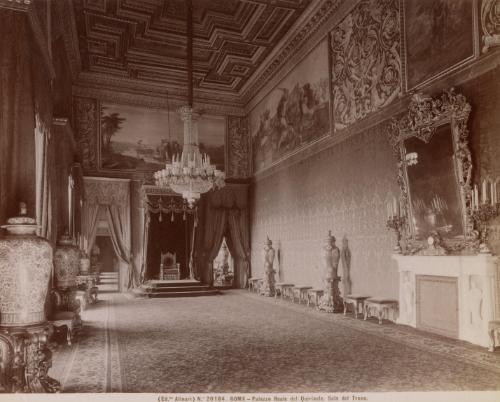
{"x": 300, "y": 292}
{"x": 252, "y": 284}
{"x": 493, "y": 326}
{"x": 380, "y": 305}
{"x": 285, "y": 290}
{"x": 356, "y": 301}
{"x": 68, "y": 319}
{"x": 280, "y": 288}
{"x": 314, "y": 294}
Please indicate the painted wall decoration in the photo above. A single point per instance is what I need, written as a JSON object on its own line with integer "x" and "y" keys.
{"x": 238, "y": 147}
{"x": 365, "y": 61}
{"x": 86, "y": 122}
{"x": 439, "y": 36}
{"x": 139, "y": 139}
{"x": 294, "y": 114}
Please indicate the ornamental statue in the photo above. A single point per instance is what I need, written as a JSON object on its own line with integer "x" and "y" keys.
{"x": 331, "y": 301}
{"x": 267, "y": 288}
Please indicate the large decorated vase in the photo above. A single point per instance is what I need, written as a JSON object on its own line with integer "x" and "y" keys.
{"x": 25, "y": 267}
{"x": 66, "y": 263}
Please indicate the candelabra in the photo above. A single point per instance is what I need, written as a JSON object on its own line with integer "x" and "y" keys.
{"x": 482, "y": 214}
{"x": 484, "y": 211}
{"x": 396, "y": 223}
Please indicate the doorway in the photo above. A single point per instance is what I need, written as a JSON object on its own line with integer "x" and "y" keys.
{"x": 104, "y": 257}
{"x": 223, "y": 267}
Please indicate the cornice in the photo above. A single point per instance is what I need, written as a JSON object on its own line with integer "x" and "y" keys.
{"x": 153, "y": 100}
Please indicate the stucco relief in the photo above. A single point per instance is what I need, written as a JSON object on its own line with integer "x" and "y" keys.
{"x": 238, "y": 148}
{"x": 365, "y": 61}
{"x": 476, "y": 300}
{"x": 86, "y": 131}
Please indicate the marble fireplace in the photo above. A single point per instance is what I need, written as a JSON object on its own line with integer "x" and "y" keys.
{"x": 455, "y": 296}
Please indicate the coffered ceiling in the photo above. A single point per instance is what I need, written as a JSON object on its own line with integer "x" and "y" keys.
{"x": 145, "y": 40}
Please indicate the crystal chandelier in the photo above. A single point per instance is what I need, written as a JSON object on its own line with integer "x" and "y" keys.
{"x": 190, "y": 174}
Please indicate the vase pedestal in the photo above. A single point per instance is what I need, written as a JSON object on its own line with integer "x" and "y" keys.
{"x": 26, "y": 360}
{"x": 331, "y": 301}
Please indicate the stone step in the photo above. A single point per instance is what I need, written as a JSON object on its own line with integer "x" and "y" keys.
{"x": 208, "y": 292}
{"x": 166, "y": 289}
{"x": 174, "y": 284}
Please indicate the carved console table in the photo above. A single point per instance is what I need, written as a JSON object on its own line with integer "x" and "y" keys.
{"x": 433, "y": 289}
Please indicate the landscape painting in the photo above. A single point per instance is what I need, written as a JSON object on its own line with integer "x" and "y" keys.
{"x": 439, "y": 37}
{"x": 140, "y": 139}
{"x": 294, "y": 114}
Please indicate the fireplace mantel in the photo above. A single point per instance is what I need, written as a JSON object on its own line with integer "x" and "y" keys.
{"x": 478, "y": 301}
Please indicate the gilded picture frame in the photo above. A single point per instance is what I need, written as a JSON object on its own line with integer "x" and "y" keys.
{"x": 444, "y": 203}
{"x": 439, "y": 37}
{"x": 138, "y": 140}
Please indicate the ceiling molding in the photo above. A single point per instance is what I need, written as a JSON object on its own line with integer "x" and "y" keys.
{"x": 307, "y": 31}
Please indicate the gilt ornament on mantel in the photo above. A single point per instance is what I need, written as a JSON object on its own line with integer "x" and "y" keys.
{"x": 331, "y": 301}
{"x": 268, "y": 288}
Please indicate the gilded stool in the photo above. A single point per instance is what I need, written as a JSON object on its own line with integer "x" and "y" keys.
{"x": 253, "y": 284}
{"x": 380, "y": 305}
{"x": 356, "y": 301}
{"x": 314, "y": 294}
{"x": 300, "y": 292}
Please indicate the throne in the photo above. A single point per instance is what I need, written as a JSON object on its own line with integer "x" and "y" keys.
{"x": 169, "y": 269}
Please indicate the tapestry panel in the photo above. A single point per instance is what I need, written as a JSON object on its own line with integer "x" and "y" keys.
{"x": 365, "y": 61}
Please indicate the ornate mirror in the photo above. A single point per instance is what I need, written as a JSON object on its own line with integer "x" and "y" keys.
{"x": 431, "y": 145}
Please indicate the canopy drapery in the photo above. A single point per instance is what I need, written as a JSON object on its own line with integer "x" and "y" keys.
{"x": 166, "y": 204}
{"x": 113, "y": 196}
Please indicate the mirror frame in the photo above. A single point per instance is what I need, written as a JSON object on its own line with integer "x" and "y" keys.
{"x": 424, "y": 116}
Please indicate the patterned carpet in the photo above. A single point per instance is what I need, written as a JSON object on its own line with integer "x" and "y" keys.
{"x": 241, "y": 342}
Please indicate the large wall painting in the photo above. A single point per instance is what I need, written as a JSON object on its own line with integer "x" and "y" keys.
{"x": 139, "y": 139}
{"x": 294, "y": 114}
{"x": 365, "y": 61}
{"x": 439, "y": 36}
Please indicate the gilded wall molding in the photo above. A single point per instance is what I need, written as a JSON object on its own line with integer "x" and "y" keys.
{"x": 490, "y": 24}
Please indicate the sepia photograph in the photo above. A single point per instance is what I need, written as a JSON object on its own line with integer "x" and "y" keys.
{"x": 250, "y": 200}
